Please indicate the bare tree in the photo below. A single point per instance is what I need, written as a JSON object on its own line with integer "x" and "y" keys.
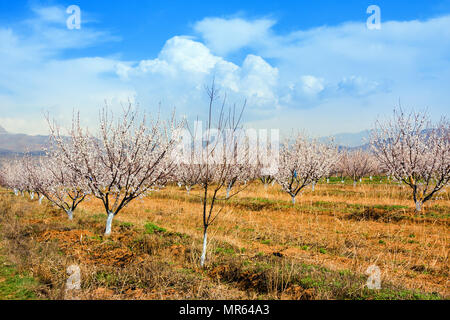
{"x": 414, "y": 151}
{"x": 219, "y": 156}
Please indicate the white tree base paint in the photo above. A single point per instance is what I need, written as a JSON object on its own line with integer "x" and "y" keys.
{"x": 228, "y": 192}
{"x": 70, "y": 214}
{"x": 109, "y": 221}
{"x": 40, "y": 199}
{"x": 419, "y": 205}
{"x": 205, "y": 240}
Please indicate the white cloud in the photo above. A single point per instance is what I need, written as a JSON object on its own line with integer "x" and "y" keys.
{"x": 225, "y": 36}
{"x": 325, "y": 80}
{"x": 312, "y": 85}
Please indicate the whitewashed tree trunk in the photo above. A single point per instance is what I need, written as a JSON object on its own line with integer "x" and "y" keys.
{"x": 205, "y": 241}
{"x": 371, "y": 178}
{"x": 69, "y": 214}
{"x": 313, "y": 187}
{"x": 293, "y": 199}
{"x": 354, "y": 183}
{"x": 266, "y": 186}
{"x": 16, "y": 192}
{"x": 228, "y": 192}
{"x": 328, "y": 180}
{"x": 188, "y": 189}
{"x": 273, "y": 183}
{"x": 40, "y": 199}
{"x": 109, "y": 221}
{"x": 419, "y": 205}
{"x": 31, "y": 195}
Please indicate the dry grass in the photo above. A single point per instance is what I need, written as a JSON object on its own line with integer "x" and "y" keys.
{"x": 261, "y": 247}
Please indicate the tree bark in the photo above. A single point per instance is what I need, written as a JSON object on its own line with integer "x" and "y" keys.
{"x": 293, "y": 200}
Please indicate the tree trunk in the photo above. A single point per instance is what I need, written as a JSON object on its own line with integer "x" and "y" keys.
{"x": 31, "y": 195}
{"x": 109, "y": 221}
{"x": 313, "y": 187}
{"x": 70, "y": 214}
{"x": 328, "y": 180}
{"x": 266, "y": 186}
{"x": 16, "y": 192}
{"x": 354, "y": 183}
{"x": 40, "y": 199}
{"x": 293, "y": 200}
{"x": 188, "y": 189}
{"x": 228, "y": 192}
{"x": 419, "y": 205}
{"x": 205, "y": 241}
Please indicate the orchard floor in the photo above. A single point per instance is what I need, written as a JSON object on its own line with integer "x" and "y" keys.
{"x": 261, "y": 246}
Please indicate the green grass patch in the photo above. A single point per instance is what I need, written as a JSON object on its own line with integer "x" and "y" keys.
{"x": 151, "y": 228}
{"x": 13, "y": 285}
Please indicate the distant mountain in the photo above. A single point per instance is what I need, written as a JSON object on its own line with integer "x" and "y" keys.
{"x": 350, "y": 140}
{"x": 11, "y": 143}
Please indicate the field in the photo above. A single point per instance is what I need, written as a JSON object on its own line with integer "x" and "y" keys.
{"x": 261, "y": 246}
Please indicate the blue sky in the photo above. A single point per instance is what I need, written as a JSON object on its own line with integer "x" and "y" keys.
{"x": 309, "y": 65}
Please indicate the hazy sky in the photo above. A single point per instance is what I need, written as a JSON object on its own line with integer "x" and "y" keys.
{"x": 310, "y": 65}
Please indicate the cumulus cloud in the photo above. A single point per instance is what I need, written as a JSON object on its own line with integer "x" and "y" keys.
{"x": 325, "y": 80}
{"x": 185, "y": 66}
{"x": 225, "y": 36}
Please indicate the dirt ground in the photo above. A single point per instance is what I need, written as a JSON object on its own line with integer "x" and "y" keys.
{"x": 261, "y": 246}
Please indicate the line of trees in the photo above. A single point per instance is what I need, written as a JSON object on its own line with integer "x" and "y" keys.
{"x": 132, "y": 155}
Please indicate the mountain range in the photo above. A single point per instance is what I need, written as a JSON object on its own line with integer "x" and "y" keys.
{"x": 11, "y": 143}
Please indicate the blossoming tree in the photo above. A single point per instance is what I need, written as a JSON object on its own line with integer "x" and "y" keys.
{"x": 302, "y": 162}
{"x": 414, "y": 151}
{"x": 125, "y": 160}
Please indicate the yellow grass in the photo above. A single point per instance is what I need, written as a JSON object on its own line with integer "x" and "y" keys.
{"x": 411, "y": 252}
